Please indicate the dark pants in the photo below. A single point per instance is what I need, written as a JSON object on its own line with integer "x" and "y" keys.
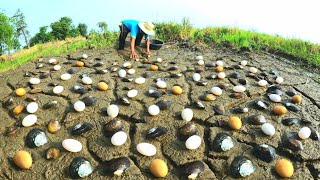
{"x": 123, "y": 35}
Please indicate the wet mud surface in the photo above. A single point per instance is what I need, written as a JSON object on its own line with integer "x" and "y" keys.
{"x": 97, "y": 147}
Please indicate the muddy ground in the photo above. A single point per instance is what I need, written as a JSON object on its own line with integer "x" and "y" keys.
{"x": 98, "y": 149}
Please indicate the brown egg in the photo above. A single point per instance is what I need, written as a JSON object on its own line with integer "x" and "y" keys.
{"x": 20, "y": 92}
{"x": 280, "y": 110}
{"x": 18, "y": 109}
{"x": 158, "y": 168}
{"x": 154, "y": 67}
{"x": 54, "y": 126}
{"x": 235, "y": 122}
{"x": 284, "y": 168}
{"x": 23, "y": 159}
{"x": 103, "y": 86}
{"x": 219, "y": 68}
{"x": 79, "y": 63}
{"x": 296, "y": 99}
{"x": 177, "y": 90}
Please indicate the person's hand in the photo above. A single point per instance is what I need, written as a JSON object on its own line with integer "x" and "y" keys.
{"x": 133, "y": 55}
{"x": 147, "y": 52}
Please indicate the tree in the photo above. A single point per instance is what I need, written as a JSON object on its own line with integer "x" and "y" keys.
{"x": 103, "y": 27}
{"x": 8, "y": 40}
{"x": 62, "y": 28}
{"x": 20, "y": 26}
{"x": 83, "y": 29}
{"x": 42, "y": 36}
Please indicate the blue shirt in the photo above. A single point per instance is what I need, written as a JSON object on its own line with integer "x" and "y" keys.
{"x": 133, "y": 27}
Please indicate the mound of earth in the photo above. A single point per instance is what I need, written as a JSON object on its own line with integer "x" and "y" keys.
{"x": 177, "y": 68}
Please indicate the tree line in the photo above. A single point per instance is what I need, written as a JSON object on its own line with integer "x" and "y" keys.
{"x": 15, "y": 29}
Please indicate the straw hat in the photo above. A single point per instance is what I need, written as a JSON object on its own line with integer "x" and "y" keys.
{"x": 147, "y": 27}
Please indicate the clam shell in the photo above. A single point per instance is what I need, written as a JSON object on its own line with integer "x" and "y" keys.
{"x": 124, "y": 101}
{"x": 187, "y": 114}
{"x": 264, "y": 152}
{"x": 132, "y": 93}
{"x": 223, "y": 142}
{"x": 219, "y": 110}
{"x": 80, "y": 167}
{"x": 156, "y": 132}
{"x": 112, "y": 127}
{"x": 243, "y": 81}
{"x": 44, "y": 75}
{"x": 34, "y": 81}
{"x": 65, "y": 76}
{"x": 240, "y": 110}
{"x": 193, "y": 169}
{"x": 155, "y": 93}
{"x": 119, "y": 138}
{"x": 275, "y": 97}
{"x": 79, "y": 106}
{"x": 193, "y": 142}
{"x": 257, "y": 119}
{"x": 268, "y": 129}
{"x": 153, "y": 110}
{"x": 161, "y": 84}
{"x": 241, "y": 166}
{"x": 164, "y": 104}
{"x": 304, "y": 133}
{"x": 140, "y": 80}
{"x": 35, "y": 90}
{"x": 113, "y": 110}
{"x": 89, "y": 100}
{"x": 216, "y": 91}
{"x": 52, "y": 153}
{"x": 36, "y": 138}
{"x": 314, "y": 134}
{"x": 187, "y": 130}
{"x": 146, "y": 149}
{"x": 58, "y": 89}
{"x": 292, "y": 107}
{"x": 236, "y": 95}
{"x": 51, "y": 104}
{"x": 260, "y": 104}
{"x": 291, "y": 121}
{"x": 32, "y": 107}
{"x": 81, "y": 128}
{"x": 72, "y": 145}
{"x": 29, "y": 120}
{"x": 293, "y": 144}
{"x": 54, "y": 126}
{"x": 235, "y": 75}
{"x": 119, "y": 165}
{"x": 239, "y": 89}
{"x": 122, "y": 73}
{"x": 80, "y": 89}
{"x": 199, "y": 105}
{"x": 196, "y": 77}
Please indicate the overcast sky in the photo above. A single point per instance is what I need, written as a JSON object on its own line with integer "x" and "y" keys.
{"x": 288, "y": 18}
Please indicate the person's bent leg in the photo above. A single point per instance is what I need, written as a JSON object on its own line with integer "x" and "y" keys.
{"x": 122, "y": 37}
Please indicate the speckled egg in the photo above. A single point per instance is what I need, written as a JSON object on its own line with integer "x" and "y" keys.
{"x": 153, "y": 110}
{"x": 235, "y": 122}
{"x": 159, "y": 60}
{"x": 131, "y": 71}
{"x": 158, "y": 168}
{"x": 29, "y": 120}
{"x": 304, "y": 133}
{"x": 22, "y": 159}
{"x": 122, "y": 73}
{"x": 177, "y": 90}
{"x": 244, "y": 63}
{"x": 280, "y": 110}
{"x": 275, "y": 97}
{"x": 284, "y": 168}
{"x": 56, "y": 67}
{"x": 187, "y": 114}
{"x": 199, "y": 57}
{"x": 20, "y": 92}
{"x": 84, "y": 56}
{"x": 219, "y": 63}
{"x": 201, "y": 62}
{"x": 86, "y": 80}
{"x": 262, "y": 83}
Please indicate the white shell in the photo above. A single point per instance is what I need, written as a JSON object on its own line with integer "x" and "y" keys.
{"x": 132, "y": 93}
{"x": 253, "y": 70}
{"x": 146, "y": 149}
{"x": 56, "y": 67}
{"x": 275, "y": 97}
{"x": 279, "y": 80}
{"x": 32, "y": 107}
{"x": 239, "y": 89}
{"x": 122, "y": 73}
{"x": 131, "y": 71}
{"x": 86, "y": 80}
{"x": 304, "y": 133}
{"x": 113, "y": 110}
{"x": 268, "y": 129}
{"x": 58, "y": 89}
{"x": 154, "y": 110}
{"x": 52, "y": 60}
{"x": 140, "y": 80}
{"x": 201, "y": 62}
{"x": 244, "y": 63}
{"x": 34, "y": 81}
{"x": 193, "y": 142}
{"x": 126, "y": 64}
{"x": 216, "y": 91}
{"x": 219, "y": 63}
{"x": 29, "y": 120}
{"x": 199, "y": 57}
{"x": 79, "y": 106}
{"x": 65, "y": 76}
{"x": 84, "y": 56}
{"x": 161, "y": 84}
{"x": 262, "y": 83}
{"x": 196, "y": 77}
{"x": 72, "y": 145}
{"x": 187, "y": 114}
{"x": 159, "y": 60}
{"x": 221, "y": 75}
{"x": 119, "y": 138}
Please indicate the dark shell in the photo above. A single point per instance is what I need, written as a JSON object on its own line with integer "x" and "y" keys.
{"x": 80, "y": 167}
{"x": 201, "y": 83}
{"x": 240, "y": 110}
{"x": 27, "y": 74}
{"x": 98, "y": 64}
{"x": 237, "y": 66}
{"x": 98, "y": 58}
{"x": 156, "y": 132}
{"x": 89, "y": 100}
{"x": 124, "y": 101}
{"x": 36, "y": 138}
{"x": 127, "y": 79}
{"x": 81, "y": 128}
{"x": 73, "y": 70}
{"x": 314, "y": 134}
{"x": 264, "y": 74}
{"x": 293, "y": 144}
{"x": 273, "y": 88}
{"x": 264, "y": 152}
{"x": 199, "y": 70}
{"x": 210, "y": 65}
{"x": 192, "y": 170}
{"x": 243, "y": 81}
{"x": 236, "y": 95}
{"x": 237, "y": 165}
{"x": 273, "y": 72}
{"x": 260, "y": 104}
{"x": 101, "y": 71}
{"x": 291, "y": 121}
{"x": 219, "y": 110}
{"x": 159, "y": 79}
{"x": 175, "y": 75}
{"x": 128, "y": 87}
{"x": 199, "y": 105}
{"x": 155, "y": 93}
{"x": 53, "y": 84}
{"x": 44, "y": 75}
{"x": 235, "y": 75}
{"x": 222, "y": 142}
{"x": 291, "y": 92}
{"x": 292, "y": 107}
{"x": 80, "y": 89}
{"x": 257, "y": 119}
{"x": 222, "y": 123}
{"x": 84, "y": 75}
{"x": 173, "y": 68}
{"x": 147, "y": 74}
{"x": 32, "y": 98}
{"x": 119, "y": 165}
{"x": 212, "y": 76}
{"x": 187, "y": 130}
{"x": 164, "y": 104}
{"x": 7, "y": 102}
{"x": 51, "y": 104}
{"x": 68, "y": 62}
{"x": 223, "y": 86}
{"x": 172, "y": 62}
{"x": 112, "y": 127}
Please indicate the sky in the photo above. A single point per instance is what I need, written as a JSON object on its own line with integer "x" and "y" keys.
{"x": 287, "y": 18}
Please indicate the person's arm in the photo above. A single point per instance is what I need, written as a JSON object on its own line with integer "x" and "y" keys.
{"x": 133, "y": 54}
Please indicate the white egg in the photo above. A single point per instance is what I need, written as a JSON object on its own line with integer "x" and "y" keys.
{"x": 221, "y": 75}
{"x": 253, "y": 70}
{"x": 140, "y": 80}
{"x": 201, "y": 62}
{"x": 199, "y": 57}
{"x": 52, "y": 60}
{"x": 56, "y": 67}
{"x": 193, "y": 142}
{"x": 79, "y": 106}
{"x": 219, "y": 63}
{"x": 187, "y": 114}
{"x": 161, "y": 84}
{"x": 84, "y": 56}
{"x": 32, "y": 107}
{"x": 113, "y": 110}
{"x": 131, "y": 71}
{"x": 34, "y": 81}
{"x": 29, "y": 120}
{"x": 65, "y": 76}
{"x": 275, "y": 97}
{"x": 119, "y": 138}
{"x": 279, "y": 80}
{"x": 154, "y": 110}
{"x": 244, "y": 63}
{"x": 268, "y": 129}
{"x": 304, "y": 133}
{"x": 58, "y": 89}
{"x": 86, "y": 80}
{"x": 196, "y": 77}
{"x": 216, "y": 91}
{"x": 72, "y": 145}
{"x": 239, "y": 88}
{"x": 132, "y": 93}
{"x": 146, "y": 149}
{"x": 159, "y": 60}
{"x": 262, "y": 83}
{"x": 122, "y": 73}
{"x": 127, "y": 64}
